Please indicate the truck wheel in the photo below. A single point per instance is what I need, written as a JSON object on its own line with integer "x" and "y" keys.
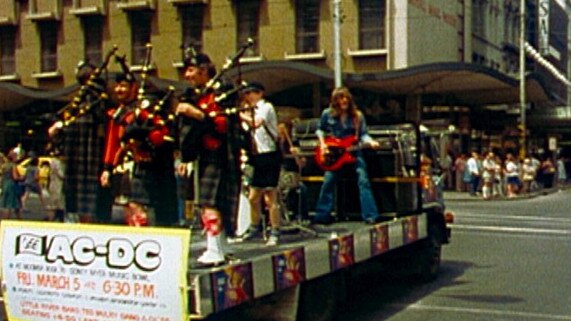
{"x": 430, "y": 255}
{"x": 318, "y": 299}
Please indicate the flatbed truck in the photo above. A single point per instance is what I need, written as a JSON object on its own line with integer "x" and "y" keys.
{"x": 304, "y": 278}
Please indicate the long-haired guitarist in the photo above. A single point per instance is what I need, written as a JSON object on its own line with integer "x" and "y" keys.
{"x": 214, "y": 141}
{"x": 341, "y": 127}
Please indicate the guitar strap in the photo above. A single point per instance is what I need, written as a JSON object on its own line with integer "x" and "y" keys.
{"x": 272, "y": 136}
{"x": 356, "y": 124}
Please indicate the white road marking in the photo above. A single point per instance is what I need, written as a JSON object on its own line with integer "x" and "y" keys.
{"x": 519, "y": 314}
{"x": 516, "y": 217}
{"x": 509, "y": 229}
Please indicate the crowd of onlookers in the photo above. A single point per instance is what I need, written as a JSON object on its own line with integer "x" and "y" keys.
{"x": 490, "y": 175}
{"x": 18, "y": 182}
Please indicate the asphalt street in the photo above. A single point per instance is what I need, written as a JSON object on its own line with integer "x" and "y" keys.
{"x": 508, "y": 260}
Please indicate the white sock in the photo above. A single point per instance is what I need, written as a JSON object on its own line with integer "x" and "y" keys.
{"x": 214, "y": 244}
{"x": 486, "y": 191}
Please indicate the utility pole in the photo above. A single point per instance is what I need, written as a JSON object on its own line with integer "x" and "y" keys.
{"x": 337, "y": 42}
{"x": 523, "y": 140}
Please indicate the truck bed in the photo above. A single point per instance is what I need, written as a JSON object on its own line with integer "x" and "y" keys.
{"x": 258, "y": 270}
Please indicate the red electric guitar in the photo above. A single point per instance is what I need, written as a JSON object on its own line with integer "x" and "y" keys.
{"x": 340, "y": 152}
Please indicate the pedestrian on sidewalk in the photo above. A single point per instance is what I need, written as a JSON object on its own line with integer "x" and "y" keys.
{"x": 56, "y": 198}
{"x": 512, "y": 175}
{"x": 459, "y": 168}
{"x": 528, "y": 173}
{"x": 488, "y": 175}
{"x": 474, "y": 165}
{"x": 446, "y": 165}
{"x": 10, "y": 201}
{"x": 499, "y": 180}
{"x": 548, "y": 170}
{"x": 561, "y": 172}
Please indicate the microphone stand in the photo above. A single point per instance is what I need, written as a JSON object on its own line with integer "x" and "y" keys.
{"x": 297, "y": 224}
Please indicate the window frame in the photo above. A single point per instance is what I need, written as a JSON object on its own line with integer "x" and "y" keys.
{"x": 141, "y": 31}
{"x": 248, "y": 25}
{"x": 192, "y": 25}
{"x": 49, "y": 36}
{"x": 93, "y": 38}
{"x": 307, "y": 33}
{"x": 374, "y": 8}
{"x": 7, "y": 50}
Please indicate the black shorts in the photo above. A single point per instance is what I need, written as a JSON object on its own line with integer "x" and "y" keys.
{"x": 266, "y": 169}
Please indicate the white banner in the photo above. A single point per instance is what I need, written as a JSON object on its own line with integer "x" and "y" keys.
{"x": 543, "y": 14}
{"x": 82, "y": 272}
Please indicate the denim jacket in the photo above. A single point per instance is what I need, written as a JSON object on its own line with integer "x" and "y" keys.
{"x": 329, "y": 125}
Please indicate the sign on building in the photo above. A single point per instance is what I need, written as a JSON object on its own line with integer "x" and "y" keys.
{"x": 543, "y": 15}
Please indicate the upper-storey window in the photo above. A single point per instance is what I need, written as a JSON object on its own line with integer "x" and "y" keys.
{"x": 307, "y": 26}
{"x": 93, "y": 38}
{"x": 7, "y": 50}
{"x": 9, "y": 12}
{"x": 248, "y": 26}
{"x": 48, "y": 39}
{"x": 192, "y": 20}
{"x": 137, "y": 4}
{"x": 89, "y": 7}
{"x": 372, "y": 24}
{"x": 479, "y": 17}
{"x": 45, "y": 9}
{"x": 140, "y": 35}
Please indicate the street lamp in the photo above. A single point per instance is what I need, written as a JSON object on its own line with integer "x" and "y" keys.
{"x": 523, "y": 143}
{"x": 337, "y": 42}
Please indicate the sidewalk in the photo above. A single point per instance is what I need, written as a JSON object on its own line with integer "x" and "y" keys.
{"x": 454, "y": 196}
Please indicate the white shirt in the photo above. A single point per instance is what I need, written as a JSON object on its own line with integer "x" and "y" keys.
{"x": 489, "y": 167}
{"x": 511, "y": 169}
{"x": 473, "y": 166}
{"x": 266, "y": 113}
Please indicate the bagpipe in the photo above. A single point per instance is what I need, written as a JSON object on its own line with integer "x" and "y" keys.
{"x": 148, "y": 123}
{"x": 209, "y": 99}
{"x": 81, "y": 103}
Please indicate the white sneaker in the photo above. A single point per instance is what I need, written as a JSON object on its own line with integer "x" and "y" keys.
{"x": 211, "y": 258}
{"x": 273, "y": 240}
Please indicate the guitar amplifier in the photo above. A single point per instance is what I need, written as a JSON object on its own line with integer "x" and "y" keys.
{"x": 303, "y": 134}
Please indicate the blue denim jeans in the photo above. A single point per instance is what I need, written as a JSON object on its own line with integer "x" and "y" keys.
{"x": 326, "y": 195}
{"x": 474, "y": 184}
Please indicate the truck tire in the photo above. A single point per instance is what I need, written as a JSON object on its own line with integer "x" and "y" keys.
{"x": 430, "y": 255}
{"x": 318, "y": 298}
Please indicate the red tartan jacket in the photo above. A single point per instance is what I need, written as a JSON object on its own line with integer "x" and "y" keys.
{"x": 115, "y": 130}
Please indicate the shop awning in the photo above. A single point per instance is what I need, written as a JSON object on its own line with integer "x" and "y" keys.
{"x": 464, "y": 84}
{"x": 14, "y": 96}
{"x": 461, "y": 83}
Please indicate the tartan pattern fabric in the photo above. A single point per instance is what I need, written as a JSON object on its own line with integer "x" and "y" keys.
{"x": 220, "y": 179}
{"x": 83, "y": 148}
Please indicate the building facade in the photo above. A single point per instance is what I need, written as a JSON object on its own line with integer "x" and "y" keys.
{"x": 405, "y": 59}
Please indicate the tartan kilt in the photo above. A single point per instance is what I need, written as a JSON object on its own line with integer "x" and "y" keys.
{"x": 219, "y": 189}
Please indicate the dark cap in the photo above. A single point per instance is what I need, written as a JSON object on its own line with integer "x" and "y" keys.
{"x": 254, "y": 86}
{"x": 120, "y": 77}
{"x": 197, "y": 60}
{"x": 83, "y": 71}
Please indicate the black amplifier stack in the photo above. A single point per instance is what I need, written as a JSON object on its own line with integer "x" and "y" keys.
{"x": 391, "y": 170}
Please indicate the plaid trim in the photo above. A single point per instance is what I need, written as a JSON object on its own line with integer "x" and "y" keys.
{"x": 83, "y": 149}
{"x": 220, "y": 179}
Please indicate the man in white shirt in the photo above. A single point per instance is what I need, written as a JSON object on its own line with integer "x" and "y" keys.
{"x": 475, "y": 168}
{"x": 265, "y": 160}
